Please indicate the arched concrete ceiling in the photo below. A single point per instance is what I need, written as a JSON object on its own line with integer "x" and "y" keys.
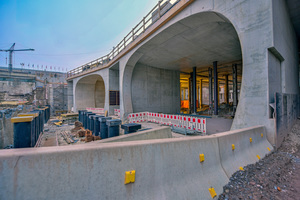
{"x": 197, "y": 40}
{"x": 91, "y": 79}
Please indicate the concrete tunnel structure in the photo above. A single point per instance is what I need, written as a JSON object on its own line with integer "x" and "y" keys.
{"x": 256, "y": 39}
{"x": 147, "y": 72}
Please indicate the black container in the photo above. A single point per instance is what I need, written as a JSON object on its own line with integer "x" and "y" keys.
{"x": 23, "y": 131}
{"x": 103, "y": 127}
{"x": 80, "y": 115}
{"x": 85, "y": 119}
{"x": 91, "y": 123}
{"x": 96, "y": 130}
{"x": 113, "y": 127}
{"x": 131, "y": 127}
{"x": 88, "y": 121}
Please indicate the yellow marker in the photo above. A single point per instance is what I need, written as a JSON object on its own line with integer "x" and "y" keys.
{"x": 201, "y": 156}
{"x": 258, "y": 157}
{"x": 241, "y": 168}
{"x": 233, "y": 147}
{"x": 129, "y": 177}
{"x": 262, "y": 135}
{"x": 268, "y": 148}
{"x": 212, "y": 192}
{"x": 250, "y": 139}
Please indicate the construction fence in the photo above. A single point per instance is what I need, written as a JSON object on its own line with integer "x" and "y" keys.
{"x": 179, "y": 121}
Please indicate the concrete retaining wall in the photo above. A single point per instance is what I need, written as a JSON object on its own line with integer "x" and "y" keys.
{"x": 165, "y": 168}
{"x": 155, "y": 133}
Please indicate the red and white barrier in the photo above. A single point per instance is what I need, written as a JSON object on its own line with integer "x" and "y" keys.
{"x": 96, "y": 110}
{"x": 181, "y": 121}
{"x": 117, "y": 112}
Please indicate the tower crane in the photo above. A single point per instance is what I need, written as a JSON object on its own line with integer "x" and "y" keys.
{"x": 11, "y": 50}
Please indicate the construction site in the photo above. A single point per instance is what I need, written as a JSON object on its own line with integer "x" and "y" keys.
{"x": 200, "y": 100}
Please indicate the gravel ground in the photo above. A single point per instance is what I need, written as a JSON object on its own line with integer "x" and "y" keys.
{"x": 277, "y": 176}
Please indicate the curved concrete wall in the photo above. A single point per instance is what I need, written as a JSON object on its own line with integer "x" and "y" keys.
{"x": 165, "y": 168}
{"x": 90, "y": 92}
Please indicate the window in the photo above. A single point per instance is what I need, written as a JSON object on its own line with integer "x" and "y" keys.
{"x": 114, "y": 98}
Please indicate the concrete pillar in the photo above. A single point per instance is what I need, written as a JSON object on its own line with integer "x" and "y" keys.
{"x": 210, "y": 89}
{"x": 200, "y": 94}
{"x": 216, "y": 88}
{"x": 234, "y": 80}
{"x": 226, "y": 89}
{"x": 190, "y": 93}
{"x": 194, "y": 90}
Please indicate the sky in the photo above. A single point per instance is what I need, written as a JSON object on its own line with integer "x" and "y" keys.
{"x": 65, "y": 33}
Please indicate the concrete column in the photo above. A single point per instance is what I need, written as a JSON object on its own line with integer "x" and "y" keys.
{"x": 226, "y": 89}
{"x": 191, "y": 93}
{"x": 216, "y": 88}
{"x": 210, "y": 89}
{"x": 234, "y": 80}
{"x": 194, "y": 90}
{"x": 200, "y": 94}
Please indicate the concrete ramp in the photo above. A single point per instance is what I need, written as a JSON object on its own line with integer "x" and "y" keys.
{"x": 164, "y": 168}
{"x": 250, "y": 144}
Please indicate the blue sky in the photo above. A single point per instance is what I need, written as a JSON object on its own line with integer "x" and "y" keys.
{"x": 66, "y": 33}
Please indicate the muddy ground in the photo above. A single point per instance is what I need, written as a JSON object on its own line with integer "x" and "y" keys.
{"x": 277, "y": 176}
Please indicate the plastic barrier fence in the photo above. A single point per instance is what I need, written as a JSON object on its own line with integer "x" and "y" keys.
{"x": 117, "y": 112}
{"x": 96, "y": 110}
{"x": 188, "y": 122}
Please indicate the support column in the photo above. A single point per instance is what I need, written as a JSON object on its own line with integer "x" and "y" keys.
{"x": 216, "y": 88}
{"x": 210, "y": 90}
{"x": 191, "y": 93}
{"x": 200, "y": 94}
{"x": 226, "y": 89}
{"x": 234, "y": 80}
{"x": 194, "y": 90}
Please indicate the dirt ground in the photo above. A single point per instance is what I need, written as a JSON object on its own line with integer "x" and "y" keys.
{"x": 277, "y": 176}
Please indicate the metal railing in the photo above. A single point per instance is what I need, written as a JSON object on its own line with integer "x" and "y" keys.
{"x": 162, "y": 7}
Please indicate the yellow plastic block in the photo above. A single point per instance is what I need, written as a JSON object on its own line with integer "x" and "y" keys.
{"x": 21, "y": 119}
{"x": 129, "y": 177}
{"x": 28, "y": 114}
{"x": 262, "y": 135}
{"x": 250, "y": 139}
{"x": 258, "y": 157}
{"x": 268, "y": 148}
{"x": 241, "y": 168}
{"x": 233, "y": 147}
{"x": 201, "y": 156}
{"x": 212, "y": 192}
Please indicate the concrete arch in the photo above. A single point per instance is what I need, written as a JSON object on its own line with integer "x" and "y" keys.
{"x": 90, "y": 91}
{"x": 192, "y": 50}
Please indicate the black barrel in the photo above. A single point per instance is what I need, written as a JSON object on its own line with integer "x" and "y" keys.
{"x": 113, "y": 127}
{"x": 23, "y": 131}
{"x": 103, "y": 127}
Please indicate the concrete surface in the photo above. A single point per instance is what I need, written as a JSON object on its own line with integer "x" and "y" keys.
{"x": 165, "y": 168}
{"x": 155, "y": 89}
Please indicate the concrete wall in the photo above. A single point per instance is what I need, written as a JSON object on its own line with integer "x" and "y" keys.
{"x": 165, "y": 168}
{"x": 156, "y": 133}
{"x": 155, "y": 90}
{"x": 70, "y": 95}
{"x": 89, "y": 92}
{"x": 99, "y": 94}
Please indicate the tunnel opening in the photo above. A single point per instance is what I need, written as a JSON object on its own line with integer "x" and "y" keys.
{"x": 90, "y": 92}
{"x": 203, "y": 47}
